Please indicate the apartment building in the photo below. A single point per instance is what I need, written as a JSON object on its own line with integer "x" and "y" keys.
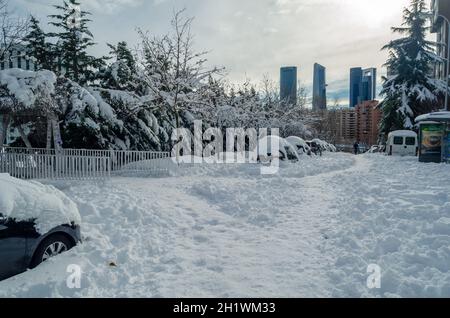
{"x": 346, "y": 125}
{"x": 368, "y": 122}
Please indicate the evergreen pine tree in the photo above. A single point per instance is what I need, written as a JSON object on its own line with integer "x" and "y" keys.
{"x": 410, "y": 89}
{"x": 37, "y": 47}
{"x": 122, "y": 53}
{"x": 73, "y": 41}
{"x": 120, "y": 74}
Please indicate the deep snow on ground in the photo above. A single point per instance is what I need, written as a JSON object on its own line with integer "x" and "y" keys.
{"x": 227, "y": 231}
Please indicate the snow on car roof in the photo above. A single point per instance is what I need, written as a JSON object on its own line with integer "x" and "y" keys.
{"x": 32, "y": 201}
{"x": 265, "y": 145}
{"x": 444, "y": 116}
{"x": 296, "y": 140}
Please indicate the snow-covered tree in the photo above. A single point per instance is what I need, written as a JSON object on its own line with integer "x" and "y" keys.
{"x": 121, "y": 74}
{"x": 73, "y": 40}
{"x": 172, "y": 72}
{"x": 410, "y": 89}
{"x": 25, "y": 98}
{"x": 12, "y": 29}
{"x": 38, "y": 48}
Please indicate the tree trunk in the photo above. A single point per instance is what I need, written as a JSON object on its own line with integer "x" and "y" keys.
{"x": 24, "y": 137}
{"x": 56, "y": 134}
{"x": 4, "y": 129}
{"x": 177, "y": 119}
{"x": 49, "y": 133}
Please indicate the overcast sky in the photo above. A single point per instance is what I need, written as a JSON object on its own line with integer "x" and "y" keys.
{"x": 255, "y": 37}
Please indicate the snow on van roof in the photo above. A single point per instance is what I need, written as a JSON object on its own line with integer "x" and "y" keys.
{"x": 403, "y": 133}
{"x": 438, "y": 116}
{"x": 32, "y": 201}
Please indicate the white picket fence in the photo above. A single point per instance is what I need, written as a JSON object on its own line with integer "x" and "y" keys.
{"x": 43, "y": 166}
{"x": 40, "y": 163}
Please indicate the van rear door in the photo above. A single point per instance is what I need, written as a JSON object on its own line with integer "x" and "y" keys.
{"x": 398, "y": 145}
{"x": 411, "y": 146}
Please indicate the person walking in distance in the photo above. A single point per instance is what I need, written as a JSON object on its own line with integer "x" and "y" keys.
{"x": 356, "y": 148}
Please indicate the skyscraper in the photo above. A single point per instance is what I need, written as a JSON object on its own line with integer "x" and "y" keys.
{"x": 363, "y": 85}
{"x": 319, "y": 88}
{"x": 356, "y": 75}
{"x": 288, "y": 85}
{"x": 369, "y": 84}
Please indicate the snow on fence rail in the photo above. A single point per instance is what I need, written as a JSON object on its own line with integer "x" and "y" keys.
{"x": 44, "y": 166}
{"x": 119, "y": 161}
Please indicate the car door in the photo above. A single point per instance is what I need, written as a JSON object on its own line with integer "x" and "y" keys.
{"x": 12, "y": 248}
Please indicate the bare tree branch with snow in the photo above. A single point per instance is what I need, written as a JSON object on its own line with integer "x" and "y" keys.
{"x": 12, "y": 29}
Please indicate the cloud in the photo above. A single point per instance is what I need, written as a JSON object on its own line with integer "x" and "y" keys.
{"x": 97, "y": 6}
{"x": 255, "y": 37}
{"x": 111, "y": 6}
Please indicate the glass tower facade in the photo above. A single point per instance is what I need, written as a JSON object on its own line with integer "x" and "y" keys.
{"x": 319, "y": 88}
{"x": 356, "y": 75}
{"x": 288, "y": 85}
{"x": 369, "y": 84}
{"x": 363, "y": 85}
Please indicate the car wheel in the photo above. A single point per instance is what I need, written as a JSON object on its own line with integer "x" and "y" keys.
{"x": 51, "y": 247}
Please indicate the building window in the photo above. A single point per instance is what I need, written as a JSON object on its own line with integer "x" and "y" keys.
{"x": 27, "y": 64}
{"x": 2, "y": 65}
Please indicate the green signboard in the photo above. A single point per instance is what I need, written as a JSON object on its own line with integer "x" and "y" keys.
{"x": 431, "y": 142}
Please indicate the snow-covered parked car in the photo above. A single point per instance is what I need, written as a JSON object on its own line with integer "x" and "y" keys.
{"x": 300, "y": 145}
{"x": 374, "y": 149}
{"x": 36, "y": 222}
{"x": 267, "y": 152}
{"x": 325, "y": 146}
{"x": 322, "y": 144}
{"x": 332, "y": 148}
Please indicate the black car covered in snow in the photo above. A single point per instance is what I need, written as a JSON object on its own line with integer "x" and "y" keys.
{"x": 37, "y": 222}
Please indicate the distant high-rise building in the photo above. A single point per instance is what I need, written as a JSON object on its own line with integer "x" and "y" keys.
{"x": 288, "y": 85}
{"x": 356, "y": 75}
{"x": 369, "y": 87}
{"x": 363, "y": 85}
{"x": 319, "y": 88}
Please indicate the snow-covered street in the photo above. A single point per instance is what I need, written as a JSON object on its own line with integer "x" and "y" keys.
{"x": 227, "y": 231}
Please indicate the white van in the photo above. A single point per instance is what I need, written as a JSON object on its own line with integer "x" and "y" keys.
{"x": 402, "y": 143}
